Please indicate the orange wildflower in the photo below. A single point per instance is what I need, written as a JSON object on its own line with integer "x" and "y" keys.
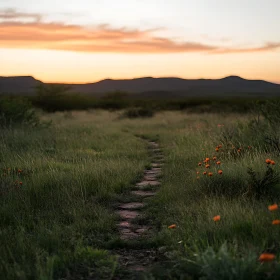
{"x": 273, "y": 207}
{"x": 268, "y": 161}
{"x": 276, "y": 222}
{"x": 266, "y": 257}
{"x": 172, "y": 226}
{"x": 207, "y": 165}
{"x": 204, "y": 173}
{"x": 20, "y": 183}
{"x": 272, "y": 162}
{"x": 199, "y": 164}
{"x": 217, "y": 218}
{"x": 217, "y": 149}
{"x": 218, "y": 162}
{"x": 220, "y": 172}
{"x": 207, "y": 159}
{"x": 239, "y": 150}
{"x": 210, "y": 174}
{"x": 214, "y": 158}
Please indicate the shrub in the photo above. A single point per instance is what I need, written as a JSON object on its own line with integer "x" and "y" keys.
{"x": 262, "y": 185}
{"x": 266, "y": 124}
{"x": 138, "y": 113}
{"x": 85, "y": 263}
{"x": 223, "y": 264}
{"x": 17, "y": 111}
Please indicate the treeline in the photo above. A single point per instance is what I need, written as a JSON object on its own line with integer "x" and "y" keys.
{"x": 79, "y": 102}
{"x": 54, "y": 98}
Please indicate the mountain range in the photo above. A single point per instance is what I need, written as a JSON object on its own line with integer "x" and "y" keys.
{"x": 148, "y": 86}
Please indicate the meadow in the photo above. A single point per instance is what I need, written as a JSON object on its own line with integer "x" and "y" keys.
{"x": 215, "y": 215}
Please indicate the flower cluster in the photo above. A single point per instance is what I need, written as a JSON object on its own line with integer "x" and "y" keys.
{"x": 270, "y": 162}
{"x": 207, "y": 163}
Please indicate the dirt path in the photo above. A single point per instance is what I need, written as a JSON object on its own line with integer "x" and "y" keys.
{"x": 133, "y": 211}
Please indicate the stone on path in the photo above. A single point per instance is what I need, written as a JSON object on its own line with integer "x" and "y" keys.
{"x": 148, "y": 183}
{"x": 127, "y": 234}
{"x": 128, "y": 215}
{"x": 131, "y": 205}
{"x": 143, "y": 193}
{"x": 124, "y": 224}
{"x": 157, "y": 164}
{"x": 134, "y": 259}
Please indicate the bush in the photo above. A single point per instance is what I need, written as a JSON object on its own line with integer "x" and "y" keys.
{"x": 85, "y": 263}
{"x": 223, "y": 264}
{"x": 262, "y": 185}
{"x": 138, "y": 113}
{"x": 266, "y": 124}
{"x": 17, "y": 111}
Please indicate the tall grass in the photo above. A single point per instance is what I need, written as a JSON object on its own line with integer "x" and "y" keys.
{"x": 191, "y": 200}
{"x": 58, "y": 221}
{"x": 57, "y": 185}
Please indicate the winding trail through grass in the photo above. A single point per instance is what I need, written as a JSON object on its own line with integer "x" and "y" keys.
{"x": 133, "y": 211}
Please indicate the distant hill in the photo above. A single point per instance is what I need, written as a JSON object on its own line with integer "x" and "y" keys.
{"x": 149, "y": 86}
{"x": 18, "y": 85}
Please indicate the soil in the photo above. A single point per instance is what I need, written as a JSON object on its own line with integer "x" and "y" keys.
{"x": 137, "y": 260}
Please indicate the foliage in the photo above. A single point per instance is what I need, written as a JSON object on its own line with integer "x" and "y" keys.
{"x": 17, "y": 111}
{"x": 138, "y": 113}
{"x": 224, "y": 265}
{"x": 261, "y": 186}
{"x": 61, "y": 217}
{"x": 266, "y": 123}
{"x": 54, "y": 98}
{"x": 85, "y": 263}
{"x": 70, "y": 174}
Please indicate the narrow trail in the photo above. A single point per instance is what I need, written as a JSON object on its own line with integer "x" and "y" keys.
{"x": 132, "y": 212}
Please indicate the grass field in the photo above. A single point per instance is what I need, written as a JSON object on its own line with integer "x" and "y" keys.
{"x": 59, "y": 185}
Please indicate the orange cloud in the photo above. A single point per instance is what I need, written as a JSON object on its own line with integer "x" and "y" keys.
{"x": 266, "y": 47}
{"x": 15, "y": 32}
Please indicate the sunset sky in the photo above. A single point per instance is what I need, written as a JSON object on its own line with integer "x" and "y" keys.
{"x": 78, "y": 41}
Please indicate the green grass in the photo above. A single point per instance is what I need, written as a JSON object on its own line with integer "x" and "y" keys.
{"x": 59, "y": 221}
{"x": 71, "y": 174}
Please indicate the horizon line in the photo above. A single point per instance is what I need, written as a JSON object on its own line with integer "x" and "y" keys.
{"x": 139, "y": 77}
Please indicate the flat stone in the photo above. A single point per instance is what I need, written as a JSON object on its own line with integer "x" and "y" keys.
{"x": 128, "y": 234}
{"x": 131, "y": 205}
{"x": 143, "y": 193}
{"x": 125, "y": 224}
{"x": 139, "y": 268}
{"x": 157, "y": 155}
{"x": 152, "y": 177}
{"x": 159, "y": 160}
{"x": 156, "y": 169}
{"x": 154, "y": 144}
{"x": 148, "y": 183}
{"x": 142, "y": 230}
{"x": 128, "y": 215}
{"x": 153, "y": 171}
{"x": 157, "y": 164}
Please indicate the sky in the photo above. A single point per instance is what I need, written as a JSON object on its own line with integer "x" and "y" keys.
{"x": 78, "y": 41}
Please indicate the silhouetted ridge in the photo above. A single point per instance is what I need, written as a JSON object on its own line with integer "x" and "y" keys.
{"x": 172, "y": 85}
{"x": 18, "y": 84}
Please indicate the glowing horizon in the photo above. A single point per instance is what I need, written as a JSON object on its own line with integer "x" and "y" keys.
{"x": 72, "y": 43}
